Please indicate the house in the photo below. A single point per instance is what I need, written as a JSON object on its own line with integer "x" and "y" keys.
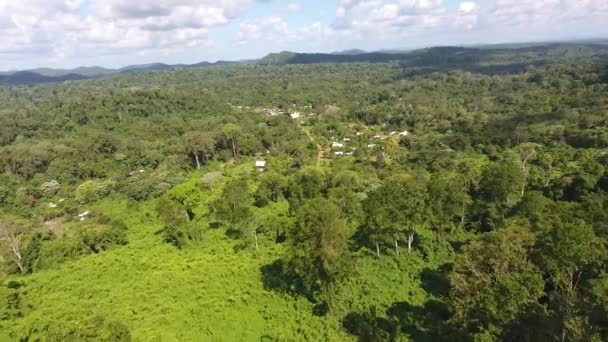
{"x": 404, "y": 134}
{"x": 52, "y": 205}
{"x": 336, "y": 145}
{"x": 377, "y": 137}
{"x": 84, "y": 215}
{"x": 346, "y": 139}
{"x": 338, "y": 153}
{"x": 260, "y": 165}
{"x": 371, "y": 145}
{"x": 295, "y": 115}
{"x": 359, "y": 134}
{"x": 349, "y": 153}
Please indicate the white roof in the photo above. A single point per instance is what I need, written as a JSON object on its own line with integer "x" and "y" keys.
{"x": 260, "y": 163}
{"x": 85, "y": 214}
{"x": 336, "y": 144}
{"x": 404, "y": 133}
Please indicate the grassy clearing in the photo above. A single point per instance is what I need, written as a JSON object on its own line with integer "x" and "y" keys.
{"x": 211, "y": 290}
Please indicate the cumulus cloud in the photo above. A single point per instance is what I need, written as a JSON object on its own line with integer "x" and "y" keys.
{"x": 54, "y": 30}
{"x": 293, "y": 7}
{"x": 69, "y": 28}
{"x": 416, "y": 18}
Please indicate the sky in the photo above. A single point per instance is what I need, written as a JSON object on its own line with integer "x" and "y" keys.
{"x": 115, "y": 33}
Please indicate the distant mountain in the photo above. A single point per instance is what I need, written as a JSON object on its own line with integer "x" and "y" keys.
{"x": 350, "y": 52}
{"x": 29, "y": 78}
{"x": 147, "y": 67}
{"x": 48, "y": 75}
{"x": 284, "y": 57}
{"x": 82, "y": 71}
{"x": 492, "y": 59}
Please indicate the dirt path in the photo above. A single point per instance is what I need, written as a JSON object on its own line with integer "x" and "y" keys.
{"x": 320, "y": 151}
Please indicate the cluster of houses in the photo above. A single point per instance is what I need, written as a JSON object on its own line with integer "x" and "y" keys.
{"x": 83, "y": 216}
{"x": 55, "y": 205}
{"x": 339, "y": 146}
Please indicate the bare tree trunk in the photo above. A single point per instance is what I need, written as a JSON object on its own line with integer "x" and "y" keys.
{"x": 15, "y": 248}
{"x": 255, "y": 237}
{"x": 410, "y": 241}
{"x": 463, "y": 213}
{"x": 233, "y": 147}
{"x": 396, "y": 246}
{"x": 377, "y": 250}
{"x": 198, "y": 162}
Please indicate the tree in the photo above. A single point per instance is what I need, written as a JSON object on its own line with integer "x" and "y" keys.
{"x": 527, "y": 152}
{"x": 13, "y": 236}
{"x": 175, "y": 219}
{"x": 499, "y": 190}
{"x": 233, "y": 207}
{"x": 231, "y": 134}
{"x": 493, "y": 280}
{"x": 198, "y": 146}
{"x": 568, "y": 254}
{"x": 399, "y": 206}
{"x": 318, "y": 244}
{"x": 448, "y": 199}
{"x": 270, "y": 189}
{"x": 309, "y": 183}
{"x": 501, "y": 183}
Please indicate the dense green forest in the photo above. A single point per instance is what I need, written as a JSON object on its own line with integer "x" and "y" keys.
{"x": 437, "y": 200}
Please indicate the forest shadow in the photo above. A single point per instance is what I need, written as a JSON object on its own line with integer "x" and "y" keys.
{"x": 436, "y": 282}
{"x": 427, "y": 323}
{"x": 477, "y": 68}
{"x": 279, "y": 277}
{"x": 604, "y": 73}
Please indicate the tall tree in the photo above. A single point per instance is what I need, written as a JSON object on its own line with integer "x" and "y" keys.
{"x": 233, "y": 207}
{"x": 318, "y": 244}
{"x": 199, "y": 146}
{"x": 493, "y": 281}
{"x": 231, "y": 134}
{"x": 13, "y": 236}
{"x": 399, "y": 206}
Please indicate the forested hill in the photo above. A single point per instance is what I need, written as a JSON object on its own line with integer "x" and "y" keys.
{"x": 511, "y": 59}
{"x": 311, "y": 202}
{"x": 498, "y": 59}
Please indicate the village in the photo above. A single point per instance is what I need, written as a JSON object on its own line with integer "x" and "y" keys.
{"x": 335, "y": 139}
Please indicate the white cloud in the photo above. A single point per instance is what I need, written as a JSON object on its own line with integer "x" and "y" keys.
{"x": 392, "y": 21}
{"x": 68, "y": 29}
{"x": 271, "y": 28}
{"x": 293, "y": 7}
{"x": 467, "y": 6}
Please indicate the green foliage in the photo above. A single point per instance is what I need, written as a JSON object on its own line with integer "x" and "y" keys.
{"x": 499, "y": 140}
{"x": 493, "y": 281}
{"x": 91, "y": 190}
{"x": 318, "y": 246}
{"x": 233, "y": 207}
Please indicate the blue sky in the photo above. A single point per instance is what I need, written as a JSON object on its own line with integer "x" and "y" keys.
{"x": 113, "y": 33}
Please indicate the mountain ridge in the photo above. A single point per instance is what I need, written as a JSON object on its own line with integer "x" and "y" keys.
{"x": 439, "y": 56}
